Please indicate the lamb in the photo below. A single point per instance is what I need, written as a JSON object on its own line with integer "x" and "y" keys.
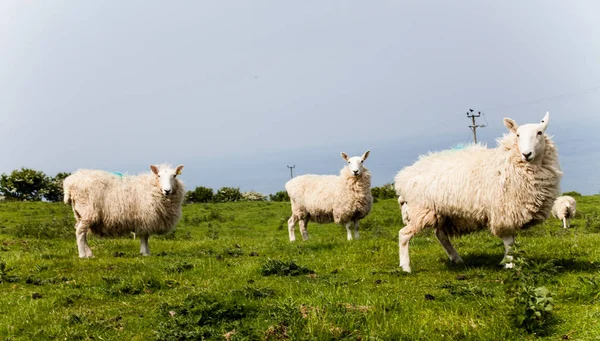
{"x": 343, "y": 199}
{"x": 564, "y": 209}
{"x": 503, "y": 189}
{"x": 109, "y": 204}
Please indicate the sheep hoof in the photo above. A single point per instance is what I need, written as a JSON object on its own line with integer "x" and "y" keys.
{"x": 406, "y": 268}
{"x": 457, "y": 261}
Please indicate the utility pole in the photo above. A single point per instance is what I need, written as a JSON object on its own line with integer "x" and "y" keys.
{"x": 472, "y": 116}
{"x": 291, "y": 171}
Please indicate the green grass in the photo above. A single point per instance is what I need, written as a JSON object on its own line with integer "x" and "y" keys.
{"x": 229, "y": 272}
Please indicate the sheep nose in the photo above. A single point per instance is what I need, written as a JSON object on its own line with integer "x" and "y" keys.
{"x": 355, "y": 172}
{"x": 167, "y": 191}
{"x": 527, "y": 155}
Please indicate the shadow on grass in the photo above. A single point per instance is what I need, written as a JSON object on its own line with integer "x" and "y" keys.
{"x": 492, "y": 261}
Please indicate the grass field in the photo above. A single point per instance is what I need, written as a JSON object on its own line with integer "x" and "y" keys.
{"x": 230, "y": 273}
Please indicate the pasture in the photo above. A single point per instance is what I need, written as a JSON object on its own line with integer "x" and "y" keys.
{"x": 229, "y": 272}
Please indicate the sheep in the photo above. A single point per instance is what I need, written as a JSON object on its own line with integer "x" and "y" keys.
{"x": 343, "y": 199}
{"x": 404, "y": 208}
{"x": 564, "y": 209}
{"x": 109, "y": 204}
{"x": 463, "y": 190}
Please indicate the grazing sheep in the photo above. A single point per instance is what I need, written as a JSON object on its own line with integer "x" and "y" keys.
{"x": 503, "y": 189}
{"x": 564, "y": 209}
{"x": 109, "y": 204}
{"x": 343, "y": 199}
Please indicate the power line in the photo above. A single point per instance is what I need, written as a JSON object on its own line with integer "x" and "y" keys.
{"x": 291, "y": 171}
{"x": 472, "y": 116}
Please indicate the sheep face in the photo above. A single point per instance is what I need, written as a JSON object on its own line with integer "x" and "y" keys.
{"x": 531, "y": 141}
{"x": 166, "y": 177}
{"x": 355, "y": 163}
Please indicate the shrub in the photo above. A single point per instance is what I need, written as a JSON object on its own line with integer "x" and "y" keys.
{"x": 24, "y": 184}
{"x": 228, "y": 194}
{"x": 54, "y": 188}
{"x": 279, "y": 196}
{"x": 384, "y": 192}
{"x": 200, "y": 194}
{"x": 253, "y": 196}
{"x": 572, "y": 194}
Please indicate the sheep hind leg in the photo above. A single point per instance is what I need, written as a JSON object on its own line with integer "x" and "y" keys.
{"x": 356, "y": 236}
{"x": 144, "y": 249}
{"x": 447, "y": 245}
{"x": 508, "y": 259}
{"x": 81, "y": 230}
{"x": 303, "y": 223}
{"x": 404, "y": 236}
{"x": 565, "y": 222}
{"x": 291, "y": 227}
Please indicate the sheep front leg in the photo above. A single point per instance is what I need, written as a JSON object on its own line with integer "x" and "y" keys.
{"x": 291, "y": 227}
{"x": 356, "y": 229}
{"x": 404, "y": 236}
{"x": 508, "y": 243}
{"x": 349, "y": 230}
{"x": 303, "y": 224}
{"x": 565, "y": 222}
{"x": 144, "y": 250}
{"x": 81, "y": 230}
{"x": 447, "y": 245}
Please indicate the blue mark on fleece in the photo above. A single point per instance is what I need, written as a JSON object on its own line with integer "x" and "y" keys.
{"x": 117, "y": 173}
{"x": 459, "y": 146}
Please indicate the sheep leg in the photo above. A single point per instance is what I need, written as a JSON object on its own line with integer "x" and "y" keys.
{"x": 144, "y": 250}
{"x": 291, "y": 227}
{"x": 404, "y": 236}
{"x": 356, "y": 229}
{"x": 565, "y": 222}
{"x": 447, "y": 245}
{"x": 303, "y": 223}
{"x": 81, "y": 230}
{"x": 349, "y": 230}
{"x": 508, "y": 243}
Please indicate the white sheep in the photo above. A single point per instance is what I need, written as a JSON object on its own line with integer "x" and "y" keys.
{"x": 564, "y": 209}
{"x": 404, "y": 209}
{"x": 343, "y": 199}
{"x": 463, "y": 190}
{"x": 109, "y": 204}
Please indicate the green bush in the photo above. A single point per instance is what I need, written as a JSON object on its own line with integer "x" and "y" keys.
{"x": 54, "y": 187}
{"x": 228, "y": 194}
{"x": 572, "y": 194}
{"x": 24, "y": 185}
{"x": 279, "y": 196}
{"x": 384, "y": 192}
{"x": 253, "y": 196}
{"x": 200, "y": 194}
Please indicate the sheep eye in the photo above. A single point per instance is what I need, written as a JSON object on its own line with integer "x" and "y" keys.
{"x": 361, "y": 161}
{"x": 539, "y": 133}
{"x": 518, "y": 135}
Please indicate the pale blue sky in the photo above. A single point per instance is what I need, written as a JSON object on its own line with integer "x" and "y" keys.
{"x": 238, "y": 90}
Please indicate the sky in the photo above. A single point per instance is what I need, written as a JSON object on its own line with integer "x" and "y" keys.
{"x": 239, "y": 90}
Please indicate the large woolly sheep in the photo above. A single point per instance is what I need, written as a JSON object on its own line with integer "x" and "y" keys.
{"x": 109, "y": 204}
{"x": 343, "y": 199}
{"x": 564, "y": 209}
{"x": 463, "y": 190}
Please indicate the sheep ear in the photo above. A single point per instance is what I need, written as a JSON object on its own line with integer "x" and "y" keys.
{"x": 178, "y": 169}
{"x": 365, "y": 155}
{"x": 511, "y": 125}
{"x": 154, "y": 169}
{"x": 545, "y": 121}
{"x": 344, "y": 156}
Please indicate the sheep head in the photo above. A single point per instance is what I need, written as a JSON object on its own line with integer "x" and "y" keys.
{"x": 355, "y": 163}
{"x": 166, "y": 177}
{"x": 531, "y": 140}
